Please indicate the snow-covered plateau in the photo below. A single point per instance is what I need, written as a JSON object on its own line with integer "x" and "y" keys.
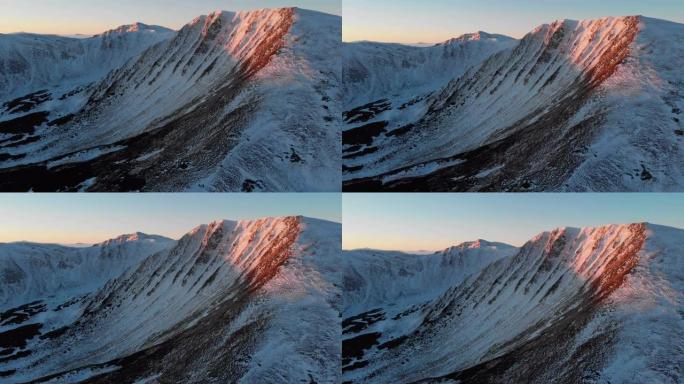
{"x": 592, "y": 305}
{"x": 592, "y": 105}
{"x": 233, "y": 101}
{"x": 230, "y": 302}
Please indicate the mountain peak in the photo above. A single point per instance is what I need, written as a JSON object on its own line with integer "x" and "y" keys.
{"x": 133, "y": 237}
{"x": 136, "y": 27}
{"x": 222, "y": 14}
{"x": 219, "y": 13}
{"x": 477, "y": 36}
{"x": 573, "y": 24}
{"x": 477, "y": 244}
{"x": 216, "y": 225}
{"x": 589, "y": 231}
{"x": 219, "y": 224}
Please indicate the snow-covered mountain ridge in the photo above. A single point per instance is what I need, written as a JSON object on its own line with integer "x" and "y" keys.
{"x": 31, "y": 62}
{"x": 233, "y": 295}
{"x": 31, "y": 271}
{"x": 234, "y": 101}
{"x": 589, "y": 105}
{"x": 401, "y": 73}
{"x": 572, "y": 305}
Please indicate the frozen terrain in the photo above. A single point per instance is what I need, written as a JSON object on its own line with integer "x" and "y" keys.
{"x": 36, "y": 271}
{"x": 30, "y": 62}
{"x": 592, "y": 305}
{"x": 234, "y": 101}
{"x": 592, "y": 105}
{"x": 249, "y": 301}
{"x": 373, "y": 71}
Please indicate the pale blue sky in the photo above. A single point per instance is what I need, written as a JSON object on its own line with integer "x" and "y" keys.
{"x": 96, "y": 16}
{"x": 416, "y": 222}
{"x": 90, "y": 218}
{"x": 432, "y": 21}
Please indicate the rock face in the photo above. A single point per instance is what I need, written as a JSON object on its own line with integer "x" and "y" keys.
{"x": 573, "y": 106}
{"x": 233, "y": 296}
{"x": 572, "y": 305}
{"x": 245, "y": 101}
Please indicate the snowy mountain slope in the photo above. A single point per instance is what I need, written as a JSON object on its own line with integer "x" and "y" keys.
{"x": 30, "y": 271}
{"x": 30, "y": 62}
{"x": 571, "y": 305}
{"x": 574, "y": 106}
{"x": 376, "y": 278}
{"x": 387, "y": 87}
{"x": 233, "y": 101}
{"x": 227, "y": 302}
{"x": 374, "y": 71}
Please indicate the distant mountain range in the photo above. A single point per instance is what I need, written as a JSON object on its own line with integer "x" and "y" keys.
{"x": 245, "y": 101}
{"x": 592, "y": 105}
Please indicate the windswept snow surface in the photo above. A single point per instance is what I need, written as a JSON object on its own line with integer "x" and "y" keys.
{"x": 591, "y": 105}
{"x": 234, "y": 101}
{"x": 248, "y": 301}
{"x": 592, "y": 305}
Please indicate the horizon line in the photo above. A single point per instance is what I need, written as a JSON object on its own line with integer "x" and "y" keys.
{"x": 428, "y": 251}
{"x": 456, "y": 35}
{"x": 170, "y": 237}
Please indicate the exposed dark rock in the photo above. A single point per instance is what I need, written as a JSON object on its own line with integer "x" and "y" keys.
{"x": 25, "y": 124}
{"x": 363, "y": 134}
{"x": 366, "y": 112}
{"x": 28, "y": 102}
{"x": 365, "y": 152}
{"x": 17, "y": 337}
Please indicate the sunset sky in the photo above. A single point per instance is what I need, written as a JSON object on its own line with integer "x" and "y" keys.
{"x": 411, "y": 222}
{"x": 91, "y": 17}
{"x": 433, "y": 21}
{"x": 92, "y": 218}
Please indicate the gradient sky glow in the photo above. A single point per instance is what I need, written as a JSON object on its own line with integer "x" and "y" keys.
{"x": 91, "y": 218}
{"x": 415, "y": 222}
{"x": 91, "y": 17}
{"x": 432, "y": 21}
